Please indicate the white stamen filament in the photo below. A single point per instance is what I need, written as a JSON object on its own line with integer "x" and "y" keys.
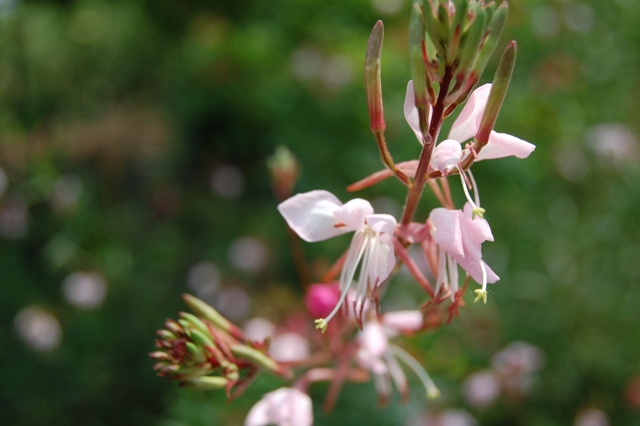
{"x": 476, "y": 193}
{"x": 354, "y": 255}
{"x": 484, "y": 276}
{"x": 427, "y": 382}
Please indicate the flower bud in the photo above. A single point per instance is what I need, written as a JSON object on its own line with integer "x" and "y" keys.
{"x": 372, "y": 77}
{"x": 497, "y": 23}
{"x": 498, "y": 92}
{"x": 285, "y": 170}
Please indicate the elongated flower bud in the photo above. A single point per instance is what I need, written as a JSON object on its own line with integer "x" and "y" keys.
{"x": 498, "y": 92}
{"x": 372, "y": 77}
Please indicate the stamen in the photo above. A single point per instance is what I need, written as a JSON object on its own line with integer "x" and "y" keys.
{"x": 482, "y": 293}
{"x": 427, "y": 382}
{"x": 477, "y": 211}
{"x": 357, "y": 249}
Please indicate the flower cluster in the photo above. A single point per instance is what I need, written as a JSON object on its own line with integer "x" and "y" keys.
{"x": 450, "y": 45}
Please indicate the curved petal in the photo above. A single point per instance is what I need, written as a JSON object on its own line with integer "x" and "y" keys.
{"x": 473, "y": 268}
{"x": 446, "y": 155}
{"x": 259, "y": 413}
{"x": 352, "y": 214}
{"x": 504, "y": 145}
{"x": 382, "y": 259}
{"x": 311, "y": 215}
{"x": 474, "y": 233}
{"x": 382, "y": 223}
{"x": 411, "y": 112}
{"x": 373, "y": 339}
{"x": 446, "y": 230}
{"x": 301, "y": 409}
{"x": 405, "y": 321}
{"x": 468, "y": 122}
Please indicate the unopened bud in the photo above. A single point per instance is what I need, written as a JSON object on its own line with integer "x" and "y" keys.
{"x": 206, "y": 383}
{"x": 257, "y": 358}
{"x": 498, "y": 21}
{"x": 372, "y": 77}
{"x": 205, "y": 311}
{"x": 285, "y": 170}
{"x": 496, "y": 95}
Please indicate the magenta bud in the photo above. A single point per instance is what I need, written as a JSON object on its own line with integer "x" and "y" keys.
{"x": 321, "y": 299}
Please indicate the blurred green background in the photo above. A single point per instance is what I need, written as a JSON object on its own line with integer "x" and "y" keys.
{"x": 133, "y": 138}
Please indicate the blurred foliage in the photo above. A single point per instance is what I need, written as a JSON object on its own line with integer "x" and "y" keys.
{"x": 120, "y": 122}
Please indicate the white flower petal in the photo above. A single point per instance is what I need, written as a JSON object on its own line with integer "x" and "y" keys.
{"x": 282, "y": 407}
{"x": 411, "y": 112}
{"x": 352, "y": 214}
{"x": 404, "y": 321}
{"x": 447, "y": 233}
{"x": 446, "y": 155}
{"x": 311, "y": 215}
{"x": 468, "y": 122}
{"x": 373, "y": 339}
{"x": 504, "y": 145}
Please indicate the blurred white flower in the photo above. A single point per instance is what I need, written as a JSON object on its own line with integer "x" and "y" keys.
{"x": 613, "y": 143}
{"x": 388, "y": 7}
{"x": 592, "y": 417}
{"x": 14, "y": 218}
{"x": 454, "y": 417}
{"x": 233, "y": 303}
{"x": 288, "y": 347}
{"x": 84, "y": 290}
{"x": 38, "y": 328}
{"x": 204, "y": 280}
{"x": 545, "y": 21}
{"x": 66, "y": 192}
{"x": 282, "y": 407}
{"x": 258, "y": 329}
{"x": 579, "y": 17}
{"x": 227, "y": 181}
{"x": 249, "y": 254}
{"x": 481, "y": 388}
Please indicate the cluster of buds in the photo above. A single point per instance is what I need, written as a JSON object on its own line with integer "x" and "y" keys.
{"x": 206, "y": 351}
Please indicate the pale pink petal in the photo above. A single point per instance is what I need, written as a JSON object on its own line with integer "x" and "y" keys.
{"x": 504, "y": 145}
{"x": 370, "y": 362}
{"x": 373, "y": 339}
{"x": 446, "y": 155}
{"x": 282, "y": 407}
{"x": 403, "y": 321}
{"x": 259, "y": 414}
{"x": 413, "y": 232}
{"x": 382, "y": 260}
{"x": 446, "y": 230}
{"x": 311, "y": 215}
{"x": 473, "y": 268}
{"x": 468, "y": 122}
{"x": 382, "y": 223}
{"x": 301, "y": 409}
{"x": 352, "y": 214}
{"x": 411, "y": 112}
{"x": 475, "y": 231}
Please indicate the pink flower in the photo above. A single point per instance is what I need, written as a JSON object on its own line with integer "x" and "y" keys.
{"x": 448, "y": 152}
{"x": 282, "y": 407}
{"x": 460, "y": 239}
{"x": 381, "y": 357}
{"x": 319, "y": 215}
